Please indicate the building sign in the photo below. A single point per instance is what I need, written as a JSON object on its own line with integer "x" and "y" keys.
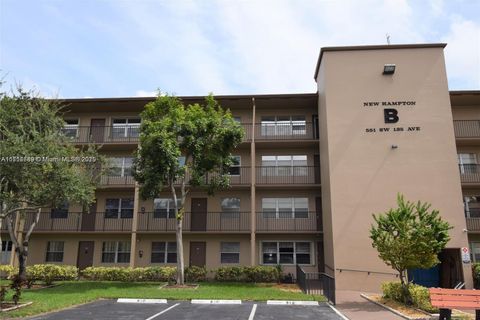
{"x": 391, "y": 115}
{"x": 465, "y": 255}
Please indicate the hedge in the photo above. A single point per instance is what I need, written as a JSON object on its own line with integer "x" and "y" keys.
{"x": 48, "y": 273}
{"x": 420, "y": 295}
{"x": 248, "y": 274}
{"x": 195, "y": 274}
{"x": 160, "y": 274}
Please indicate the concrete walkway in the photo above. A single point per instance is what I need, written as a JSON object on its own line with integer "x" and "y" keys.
{"x": 355, "y": 307}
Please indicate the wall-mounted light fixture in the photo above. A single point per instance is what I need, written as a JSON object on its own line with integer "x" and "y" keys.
{"x": 142, "y": 209}
{"x": 394, "y": 146}
{"x": 140, "y": 253}
{"x": 389, "y": 68}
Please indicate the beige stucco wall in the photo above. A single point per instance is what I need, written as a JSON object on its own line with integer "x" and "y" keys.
{"x": 364, "y": 173}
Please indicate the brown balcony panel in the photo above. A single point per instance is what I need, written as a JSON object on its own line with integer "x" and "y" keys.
{"x": 285, "y": 131}
{"x": 473, "y": 224}
{"x": 469, "y": 173}
{"x": 103, "y": 134}
{"x": 266, "y": 223}
{"x": 247, "y": 128}
{"x": 288, "y": 175}
{"x": 466, "y": 128}
{"x": 116, "y": 180}
{"x": 240, "y": 176}
{"x": 201, "y": 222}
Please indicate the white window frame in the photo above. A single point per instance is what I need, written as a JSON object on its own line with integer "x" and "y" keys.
{"x": 72, "y": 127}
{"x": 117, "y": 252}
{"x": 283, "y": 127}
{"x": 312, "y": 253}
{"x": 126, "y": 126}
{"x": 229, "y": 252}
{"x": 464, "y": 165}
{"x": 52, "y": 251}
{"x": 277, "y": 208}
{"x": 165, "y": 252}
{"x": 169, "y": 206}
{"x": 268, "y": 172}
{"x": 122, "y": 166}
{"x": 7, "y": 246}
{"x": 120, "y": 207}
{"x": 239, "y": 165}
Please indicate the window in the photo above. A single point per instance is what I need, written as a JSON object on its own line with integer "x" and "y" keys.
{"x": 54, "y": 251}
{"x": 230, "y": 207}
{"x": 230, "y": 252}
{"x": 283, "y": 125}
{"x": 472, "y": 206}
{"x": 71, "y": 128}
{"x": 284, "y": 165}
{"x": 286, "y": 252}
{"x": 125, "y": 128}
{"x": 120, "y": 167}
{"x": 285, "y": 207}
{"x": 475, "y": 251}
{"x": 119, "y": 208}
{"x": 234, "y": 169}
{"x": 116, "y": 252}
{"x": 6, "y": 252}
{"x": 61, "y": 212}
{"x": 164, "y": 207}
{"x": 467, "y": 162}
{"x": 164, "y": 252}
{"x": 237, "y": 119}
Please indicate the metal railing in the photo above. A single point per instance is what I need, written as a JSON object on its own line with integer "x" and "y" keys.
{"x": 469, "y": 173}
{"x": 78, "y": 221}
{"x": 288, "y": 175}
{"x": 288, "y": 131}
{"x": 316, "y": 283}
{"x": 108, "y": 180}
{"x": 466, "y": 128}
{"x": 199, "y": 222}
{"x": 473, "y": 224}
{"x": 103, "y": 134}
{"x": 300, "y": 221}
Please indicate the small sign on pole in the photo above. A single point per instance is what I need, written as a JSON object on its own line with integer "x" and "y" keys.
{"x": 465, "y": 255}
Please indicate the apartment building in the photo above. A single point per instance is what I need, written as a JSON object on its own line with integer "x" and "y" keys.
{"x": 309, "y": 173}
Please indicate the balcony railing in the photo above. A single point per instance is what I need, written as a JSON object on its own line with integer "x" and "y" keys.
{"x": 103, "y": 134}
{"x": 77, "y": 221}
{"x": 196, "y": 222}
{"x": 466, "y": 128}
{"x": 472, "y": 212}
{"x": 287, "y": 131}
{"x": 288, "y": 175}
{"x": 473, "y": 224}
{"x": 304, "y": 221}
{"x": 116, "y": 180}
{"x": 469, "y": 173}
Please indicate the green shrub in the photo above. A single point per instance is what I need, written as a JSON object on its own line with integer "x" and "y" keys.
{"x": 420, "y": 295}
{"x": 158, "y": 274}
{"x": 195, "y": 274}
{"x": 262, "y": 274}
{"x": 476, "y": 274}
{"x": 7, "y": 271}
{"x": 48, "y": 273}
{"x": 230, "y": 274}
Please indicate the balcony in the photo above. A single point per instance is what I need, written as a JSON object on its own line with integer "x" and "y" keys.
{"x": 469, "y": 173}
{"x": 278, "y": 175}
{"x": 288, "y": 131}
{"x": 473, "y": 224}
{"x": 195, "y": 222}
{"x": 288, "y": 222}
{"x": 117, "y": 181}
{"x": 103, "y": 134}
{"x": 466, "y": 128}
{"x": 77, "y": 221}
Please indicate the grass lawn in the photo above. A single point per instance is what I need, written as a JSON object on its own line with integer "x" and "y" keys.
{"x": 77, "y": 292}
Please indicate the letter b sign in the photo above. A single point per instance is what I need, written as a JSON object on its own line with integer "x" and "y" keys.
{"x": 390, "y": 115}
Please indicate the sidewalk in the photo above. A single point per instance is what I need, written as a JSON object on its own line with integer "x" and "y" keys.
{"x": 355, "y": 307}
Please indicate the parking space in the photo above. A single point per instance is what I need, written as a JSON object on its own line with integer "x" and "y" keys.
{"x": 184, "y": 310}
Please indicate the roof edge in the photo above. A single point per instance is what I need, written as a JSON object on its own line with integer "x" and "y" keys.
{"x": 374, "y": 47}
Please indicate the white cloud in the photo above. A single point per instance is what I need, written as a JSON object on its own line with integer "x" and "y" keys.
{"x": 462, "y": 54}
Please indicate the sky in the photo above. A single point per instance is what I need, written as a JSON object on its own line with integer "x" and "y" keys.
{"x": 125, "y": 48}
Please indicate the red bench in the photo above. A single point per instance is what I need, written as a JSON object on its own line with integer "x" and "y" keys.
{"x": 446, "y": 299}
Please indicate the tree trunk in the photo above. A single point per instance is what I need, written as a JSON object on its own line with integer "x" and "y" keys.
{"x": 180, "y": 262}
{"x": 22, "y": 253}
{"x": 407, "y": 298}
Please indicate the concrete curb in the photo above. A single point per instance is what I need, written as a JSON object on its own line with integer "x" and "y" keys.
{"x": 206, "y": 301}
{"x": 393, "y": 310}
{"x": 151, "y": 301}
{"x": 291, "y": 302}
{"x": 338, "y": 312}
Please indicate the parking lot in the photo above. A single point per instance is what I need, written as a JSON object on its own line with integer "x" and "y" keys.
{"x": 185, "y": 310}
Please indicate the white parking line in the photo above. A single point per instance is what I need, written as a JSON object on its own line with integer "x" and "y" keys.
{"x": 201, "y": 301}
{"x": 126, "y": 300}
{"x": 296, "y": 303}
{"x": 252, "y": 313}
{"x": 162, "y": 312}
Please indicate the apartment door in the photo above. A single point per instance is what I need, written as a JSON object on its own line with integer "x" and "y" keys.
{"x": 97, "y": 130}
{"x": 320, "y": 257}
{"x": 88, "y": 218}
{"x": 451, "y": 271}
{"x": 316, "y": 163}
{"x": 318, "y": 212}
{"x": 85, "y": 254}
{"x": 198, "y": 251}
{"x": 199, "y": 214}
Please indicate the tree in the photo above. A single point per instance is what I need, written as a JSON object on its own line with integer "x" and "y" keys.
{"x": 39, "y": 167}
{"x": 179, "y": 147}
{"x": 409, "y": 237}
